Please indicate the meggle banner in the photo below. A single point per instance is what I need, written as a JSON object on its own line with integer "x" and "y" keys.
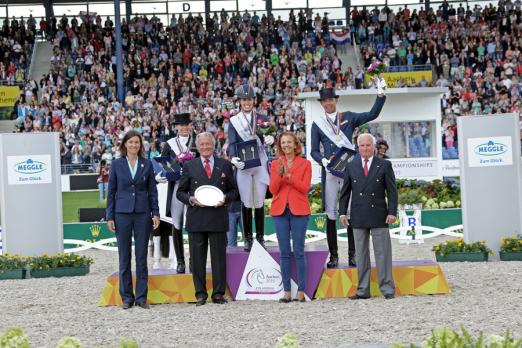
{"x": 8, "y": 95}
{"x": 411, "y": 78}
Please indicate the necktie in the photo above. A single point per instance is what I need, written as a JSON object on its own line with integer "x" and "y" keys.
{"x": 365, "y": 169}
{"x": 207, "y": 168}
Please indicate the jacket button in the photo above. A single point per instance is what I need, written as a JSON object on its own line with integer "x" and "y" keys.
{"x": 133, "y": 194}
{"x": 372, "y": 205}
{"x": 355, "y": 181}
{"x": 373, "y": 194}
{"x": 377, "y": 180}
{"x": 360, "y": 194}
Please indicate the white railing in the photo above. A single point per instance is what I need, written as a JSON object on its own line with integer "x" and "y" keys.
{"x": 312, "y": 236}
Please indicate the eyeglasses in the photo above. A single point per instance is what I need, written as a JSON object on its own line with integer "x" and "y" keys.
{"x": 383, "y": 148}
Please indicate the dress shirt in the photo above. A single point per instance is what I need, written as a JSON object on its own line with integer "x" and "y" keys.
{"x": 133, "y": 170}
{"x": 369, "y": 163}
{"x": 210, "y": 160}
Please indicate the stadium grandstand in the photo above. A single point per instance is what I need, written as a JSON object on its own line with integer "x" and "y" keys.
{"x": 189, "y": 56}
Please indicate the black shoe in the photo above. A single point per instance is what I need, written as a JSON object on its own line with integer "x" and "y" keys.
{"x": 248, "y": 245}
{"x": 201, "y": 301}
{"x": 358, "y": 297}
{"x": 219, "y": 300}
{"x": 299, "y": 300}
{"x": 351, "y": 261}
{"x": 126, "y": 305}
{"x": 143, "y": 305}
{"x": 389, "y": 297}
{"x": 285, "y": 300}
{"x": 181, "y": 267}
{"x": 333, "y": 262}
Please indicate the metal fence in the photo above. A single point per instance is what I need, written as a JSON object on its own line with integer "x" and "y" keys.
{"x": 86, "y": 168}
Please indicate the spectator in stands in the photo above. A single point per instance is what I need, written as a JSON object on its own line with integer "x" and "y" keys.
{"x": 103, "y": 179}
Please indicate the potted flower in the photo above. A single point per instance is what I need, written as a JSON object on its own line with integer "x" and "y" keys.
{"x": 458, "y": 250}
{"x": 59, "y": 265}
{"x": 12, "y": 266}
{"x": 511, "y": 248}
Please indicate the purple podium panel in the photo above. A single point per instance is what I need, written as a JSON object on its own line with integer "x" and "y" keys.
{"x": 315, "y": 260}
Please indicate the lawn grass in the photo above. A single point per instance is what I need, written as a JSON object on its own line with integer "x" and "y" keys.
{"x": 71, "y": 201}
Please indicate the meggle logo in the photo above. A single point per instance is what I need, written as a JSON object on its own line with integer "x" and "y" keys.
{"x": 490, "y": 149}
{"x": 30, "y": 167}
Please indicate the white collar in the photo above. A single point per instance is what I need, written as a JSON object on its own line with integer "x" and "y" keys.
{"x": 369, "y": 161}
{"x": 332, "y": 115}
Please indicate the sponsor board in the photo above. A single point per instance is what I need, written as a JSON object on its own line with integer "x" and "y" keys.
{"x": 29, "y": 170}
{"x": 489, "y": 152}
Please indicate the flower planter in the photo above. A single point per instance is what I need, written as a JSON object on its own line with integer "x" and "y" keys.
{"x": 505, "y": 256}
{"x": 12, "y": 274}
{"x": 60, "y": 272}
{"x": 457, "y": 257}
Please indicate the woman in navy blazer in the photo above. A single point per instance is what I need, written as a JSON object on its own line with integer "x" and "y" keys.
{"x": 132, "y": 202}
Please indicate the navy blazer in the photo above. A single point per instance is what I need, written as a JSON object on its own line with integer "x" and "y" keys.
{"x": 207, "y": 219}
{"x": 373, "y": 197}
{"x": 349, "y": 121}
{"x": 234, "y": 138}
{"x": 127, "y": 195}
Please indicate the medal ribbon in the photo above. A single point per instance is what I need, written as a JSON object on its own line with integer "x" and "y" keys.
{"x": 252, "y": 124}
{"x": 335, "y": 127}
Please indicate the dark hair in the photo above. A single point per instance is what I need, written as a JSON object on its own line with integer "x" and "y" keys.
{"x": 131, "y": 134}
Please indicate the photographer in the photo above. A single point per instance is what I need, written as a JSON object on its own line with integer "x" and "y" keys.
{"x": 103, "y": 179}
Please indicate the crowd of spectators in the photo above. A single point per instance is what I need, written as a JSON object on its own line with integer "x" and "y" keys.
{"x": 16, "y": 45}
{"x": 475, "y": 52}
{"x": 191, "y": 66}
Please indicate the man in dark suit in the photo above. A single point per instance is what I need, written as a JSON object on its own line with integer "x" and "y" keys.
{"x": 370, "y": 181}
{"x": 207, "y": 224}
{"x": 330, "y": 132}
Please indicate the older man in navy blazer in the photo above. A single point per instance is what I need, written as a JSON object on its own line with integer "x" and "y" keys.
{"x": 132, "y": 211}
{"x": 371, "y": 182}
{"x": 207, "y": 224}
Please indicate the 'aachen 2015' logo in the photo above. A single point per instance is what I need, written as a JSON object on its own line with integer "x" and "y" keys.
{"x": 30, "y": 167}
{"x": 491, "y": 149}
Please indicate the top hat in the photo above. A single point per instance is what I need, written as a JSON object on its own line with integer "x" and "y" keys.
{"x": 327, "y": 93}
{"x": 183, "y": 118}
{"x": 245, "y": 92}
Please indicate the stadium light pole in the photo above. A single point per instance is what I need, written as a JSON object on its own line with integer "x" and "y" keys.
{"x": 119, "y": 56}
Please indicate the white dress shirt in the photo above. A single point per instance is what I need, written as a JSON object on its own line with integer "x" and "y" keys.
{"x": 369, "y": 163}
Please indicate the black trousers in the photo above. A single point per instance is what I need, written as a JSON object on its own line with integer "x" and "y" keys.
{"x": 198, "y": 246}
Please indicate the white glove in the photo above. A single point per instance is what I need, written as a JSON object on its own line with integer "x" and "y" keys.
{"x": 325, "y": 163}
{"x": 238, "y": 163}
{"x": 160, "y": 179}
{"x": 381, "y": 86}
{"x": 269, "y": 140}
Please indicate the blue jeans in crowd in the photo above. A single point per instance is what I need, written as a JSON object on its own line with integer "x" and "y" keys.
{"x": 102, "y": 187}
{"x": 292, "y": 226}
{"x": 234, "y": 218}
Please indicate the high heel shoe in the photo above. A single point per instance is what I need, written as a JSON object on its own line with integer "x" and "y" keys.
{"x": 285, "y": 300}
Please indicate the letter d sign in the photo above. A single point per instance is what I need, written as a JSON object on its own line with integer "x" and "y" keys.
{"x": 186, "y": 7}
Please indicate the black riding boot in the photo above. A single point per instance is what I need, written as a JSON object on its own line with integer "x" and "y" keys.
{"x": 246, "y": 216}
{"x": 179, "y": 249}
{"x": 331, "y": 237}
{"x": 259, "y": 216}
{"x": 351, "y": 246}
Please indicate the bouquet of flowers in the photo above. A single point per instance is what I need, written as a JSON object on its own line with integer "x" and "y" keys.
{"x": 266, "y": 128}
{"x": 184, "y": 157}
{"x": 375, "y": 69}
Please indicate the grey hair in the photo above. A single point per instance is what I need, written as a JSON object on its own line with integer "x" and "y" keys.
{"x": 366, "y": 135}
{"x": 205, "y": 135}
